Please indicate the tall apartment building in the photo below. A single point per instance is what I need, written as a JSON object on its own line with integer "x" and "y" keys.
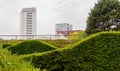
{"x": 63, "y": 29}
{"x": 28, "y": 22}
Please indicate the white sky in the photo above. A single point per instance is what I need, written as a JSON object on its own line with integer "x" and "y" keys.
{"x": 49, "y": 12}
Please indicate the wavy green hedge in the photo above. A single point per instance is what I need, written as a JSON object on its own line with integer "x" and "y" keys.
{"x": 29, "y": 47}
{"x": 99, "y": 52}
{"x": 6, "y": 45}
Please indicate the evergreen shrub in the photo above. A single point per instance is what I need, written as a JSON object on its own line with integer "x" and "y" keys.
{"x": 10, "y": 62}
{"x": 6, "y": 45}
{"x": 99, "y": 52}
{"x": 29, "y": 47}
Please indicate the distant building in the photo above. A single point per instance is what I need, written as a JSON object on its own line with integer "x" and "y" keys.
{"x": 28, "y": 22}
{"x": 63, "y": 29}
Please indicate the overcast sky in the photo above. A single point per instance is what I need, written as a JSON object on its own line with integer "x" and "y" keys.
{"x": 49, "y": 12}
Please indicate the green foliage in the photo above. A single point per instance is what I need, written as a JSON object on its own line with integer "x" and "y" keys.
{"x": 77, "y": 35}
{"x": 105, "y": 14}
{"x": 11, "y": 41}
{"x": 60, "y": 43}
{"x": 99, "y": 52}
{"x": 29, "y": 47}
{"x": 57, "y": 43}
{"x": 9, "y": 62}
{"x": 82, "y": 35}
{"x": 74, "y": 36}
{"x": 6, "y": 45}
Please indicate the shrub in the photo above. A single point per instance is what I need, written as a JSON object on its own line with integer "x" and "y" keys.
{"x": 29, "y": 47}
{"x": 77, "y": 35}
{"x": 99, "y": 52}
{"x": 9, "y": 62}
{"x": 6, "y": 45}
{"x": 74, "y": 36}
{"x": 60, "y": 43}
{"x": 11, "y": 41}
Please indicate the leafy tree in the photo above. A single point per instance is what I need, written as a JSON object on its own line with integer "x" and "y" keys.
{"x": 82, "y": 35}
{"x": 105, "y": 16}
{"x": 77, "y": 35}
{"x": 73, "y": 36}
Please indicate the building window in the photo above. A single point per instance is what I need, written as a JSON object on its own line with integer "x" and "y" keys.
{"x": 29, "y": 13}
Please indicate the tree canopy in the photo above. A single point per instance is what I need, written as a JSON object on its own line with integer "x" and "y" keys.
{"x": 105, "y": 16}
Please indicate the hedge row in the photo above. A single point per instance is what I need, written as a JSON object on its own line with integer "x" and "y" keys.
{"x": 29, "y": 47}
{"x": 9, "y": 62}
{"x": 6, "y": 45}
{"x": 99, "y": 52}
{"x": 60, "y": 43}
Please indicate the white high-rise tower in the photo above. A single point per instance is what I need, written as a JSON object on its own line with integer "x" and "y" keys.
{"x": 28, "y": 22}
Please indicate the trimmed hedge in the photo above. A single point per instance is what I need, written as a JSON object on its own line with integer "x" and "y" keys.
{"x": 10, "y": 62}
{"x": 99, "y": 52}
{"x": 29, "y": 47}
{"x": 11, "y": 41}
{"x": 6, "y": 45}
{"x": 60, "y": 43}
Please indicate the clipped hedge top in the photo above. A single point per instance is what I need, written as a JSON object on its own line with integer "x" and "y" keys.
{"x": 29, "y": 47}
{"x": 98, "y": 52}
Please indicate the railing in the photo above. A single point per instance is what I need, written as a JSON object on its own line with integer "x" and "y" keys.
{"x": 32, "y": 37}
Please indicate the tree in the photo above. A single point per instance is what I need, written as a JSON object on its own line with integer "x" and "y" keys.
{"x": 82, "y": 35}
{"x": 104, "y": 15}
{"x": 73, "y": 36}
{"x": 77, "y": 35}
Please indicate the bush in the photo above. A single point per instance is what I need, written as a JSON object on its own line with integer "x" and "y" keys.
{"x": 74, "y": 36}
{"x": 60, "y": 43}
{"x": 30, "y": 47}
{"x": 99, "y": 52}
{"x": 9, "y": 62}
{"x": 11, "y": 41}
{"x": 77, "y": 35}
{"x": 6, "y": 45}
